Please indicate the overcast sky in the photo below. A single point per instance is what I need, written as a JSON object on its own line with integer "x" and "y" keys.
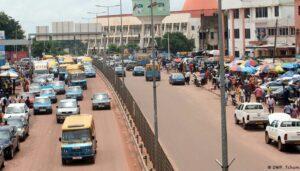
{"x": 31, "y": 13}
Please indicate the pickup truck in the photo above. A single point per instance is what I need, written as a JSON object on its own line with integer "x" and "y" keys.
{"x": 250, "y": 114}
{"x": 283, "y": 129}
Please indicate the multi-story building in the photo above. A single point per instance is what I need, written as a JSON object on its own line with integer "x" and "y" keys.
{"x": 196, "y": 21}
{"x": 253, "y": 24}
{"x": 297, "y": 26}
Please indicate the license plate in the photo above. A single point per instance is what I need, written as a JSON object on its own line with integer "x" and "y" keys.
{"x": 77, "y": 158}
{"x": 101, "y": 105}
{"x": 43, "y": 110}
{"x": 259, "y": 122}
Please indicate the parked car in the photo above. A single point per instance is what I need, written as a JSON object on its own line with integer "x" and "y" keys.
{"x": 130, "y": 65}
{"x": 31, "y": 97}
{"x": 42, "y": 105}
{"x": 17, "y": 110}
{"x": 22, "y": 126}
{"x": 250, "y": 114}
{"x": 74, "y": 92}
{"x": 59, "y": 87}
{"x": 50, "y": 93}
{"x": 90, "y": 72}
{"x": 274, "y": 85}
{"x": 66, "y": 107}
{"x": 35, "y": 89}
{"x": 9, "y": 141}
{"x": 2, "y": 158}
{"x": 101, "y": 100}
{"x": 283, "y": 129}
{"x": 138, "y": 71}
{"x": 176, "y": 79}
{"x": 120, "y": 72}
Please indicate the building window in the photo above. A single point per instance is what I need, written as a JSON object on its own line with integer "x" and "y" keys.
{"x": 247, "y": 12}
{"x": 276, "y": 11}
{"x": 212, "y": 35}
{"x": 236, "y": 33}
{"x": 247, "y": 34}
{"x": 193, "y": 27}
{"x": 237, "y": 53}
{"x": 271, "y": 31}
{"x": 292, "y": 30}
{"x": 283, "y": 31}
{"x": 236, "y": 13}
{"x": 261, "y": 12}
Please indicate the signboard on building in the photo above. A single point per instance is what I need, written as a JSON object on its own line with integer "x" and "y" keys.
{"x": 2, "y": 49}
{"x": 141, "y": 8}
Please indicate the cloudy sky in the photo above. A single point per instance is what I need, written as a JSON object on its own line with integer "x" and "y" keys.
{"x": 31, "y": 13}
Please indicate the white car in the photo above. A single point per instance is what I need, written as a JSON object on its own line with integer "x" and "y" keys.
{"x": 17, "y": 110}
{"x": 66, "y": 107}
{"x": 250, "y": 114}
{"x": 283, "y": 129}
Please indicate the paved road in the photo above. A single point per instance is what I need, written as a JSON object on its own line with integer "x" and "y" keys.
{"x": 41, "y": 151}
{"x": 189, "y": 129}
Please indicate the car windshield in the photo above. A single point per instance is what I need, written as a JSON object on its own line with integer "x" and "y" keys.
{"x": 290, "y": 124}
{"x": 76, "y": 136}
{"x": 101, "y": 97}
{"x": 139, "y": 69}
{"x": 77, "y": 76}
{"x": 4, "y": 134}
{"x": 47, "y": 91}
{"x": 42, "y": 100}
{"x": 15, "y": 122}
{"x": 253, "y": 107}
{"x": 15, "y": 110}
{"x": 178, "y": 76}
{"x": 70, "y": 104}
{"x": 58, "y": 83}
{"x": 74, "y": 88}
{"x": 118, "y": 69}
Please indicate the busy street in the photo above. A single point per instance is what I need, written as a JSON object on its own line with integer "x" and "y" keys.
{"x": 41, "y": 149}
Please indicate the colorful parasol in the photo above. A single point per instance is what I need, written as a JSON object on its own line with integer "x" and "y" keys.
{"x": 236, "y": 68}
{"x": 250, "y": 62}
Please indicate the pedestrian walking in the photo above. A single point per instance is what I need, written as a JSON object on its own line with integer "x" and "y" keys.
{"x": 27, "y": 102}
{"x": 295, "y": 112}
{"x": 3, "y": 103}
{"x": 258, "y": 92}
{"x": 187, "y": 78}
{"x": 288, "y": 109}
{"x": 271, "y": 104}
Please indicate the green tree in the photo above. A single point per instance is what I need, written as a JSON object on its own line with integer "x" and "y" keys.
{"x": 12, "y": 28}
{"x": 178, "y": 42}
{"x": 113, "y": 48}
{"x": 132, "y": 47}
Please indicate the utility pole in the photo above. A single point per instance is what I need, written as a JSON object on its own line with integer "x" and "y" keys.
{"x": 121, "y": 48}
{"x": 275, "y": 41}
{"x": 224, "y": 164}
{"x": 169, "y": 51}
{"x": 154, "y": 88}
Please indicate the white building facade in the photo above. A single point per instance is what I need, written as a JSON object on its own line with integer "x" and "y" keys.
{"x": 252, "y": 27}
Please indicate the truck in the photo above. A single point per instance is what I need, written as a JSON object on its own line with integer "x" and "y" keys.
{"x": 282, "y": 129}
{"x": 250, "y": 114}
{"x": 40, "y": 67}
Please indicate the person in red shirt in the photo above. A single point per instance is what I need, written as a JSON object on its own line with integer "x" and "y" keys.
{"x": 258, "y": 92}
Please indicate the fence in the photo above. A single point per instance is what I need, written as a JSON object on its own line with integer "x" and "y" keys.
{"x": 139, "y": 119}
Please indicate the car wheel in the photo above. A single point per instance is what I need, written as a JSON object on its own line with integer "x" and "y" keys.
{"x": 64, "y": 161}
{"x": 244, "y": 124}
{"x": 267, "y": 138}
{"x": 94, "y": 107}
{"x": 34, "y": 112}
{"x": 236, "y": 121}
{"x": 109, "y": 107}
{"x": 50, "y": 111}
{"x": 280, "y": 146}
{"x": 92, "y": 160}
{"x": 18, "y": 146}
{"x": 11, "y": 153}
{"x": 57, "y": 121}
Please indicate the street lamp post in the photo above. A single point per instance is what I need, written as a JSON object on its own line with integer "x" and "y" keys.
{"x": 88, "y": 44}
{"x": 154, "y": 87}
{"x": 122, "y": 50}
{"x": 108, "y": 25}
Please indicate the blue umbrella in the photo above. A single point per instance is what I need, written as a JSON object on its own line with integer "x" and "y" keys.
{"x": 287, "y": 74}
{"x": 290, "y": 65}
{"x": 249, "y": 70}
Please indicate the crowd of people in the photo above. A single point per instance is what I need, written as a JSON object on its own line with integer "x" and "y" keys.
{"x": 240, "y": 87}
